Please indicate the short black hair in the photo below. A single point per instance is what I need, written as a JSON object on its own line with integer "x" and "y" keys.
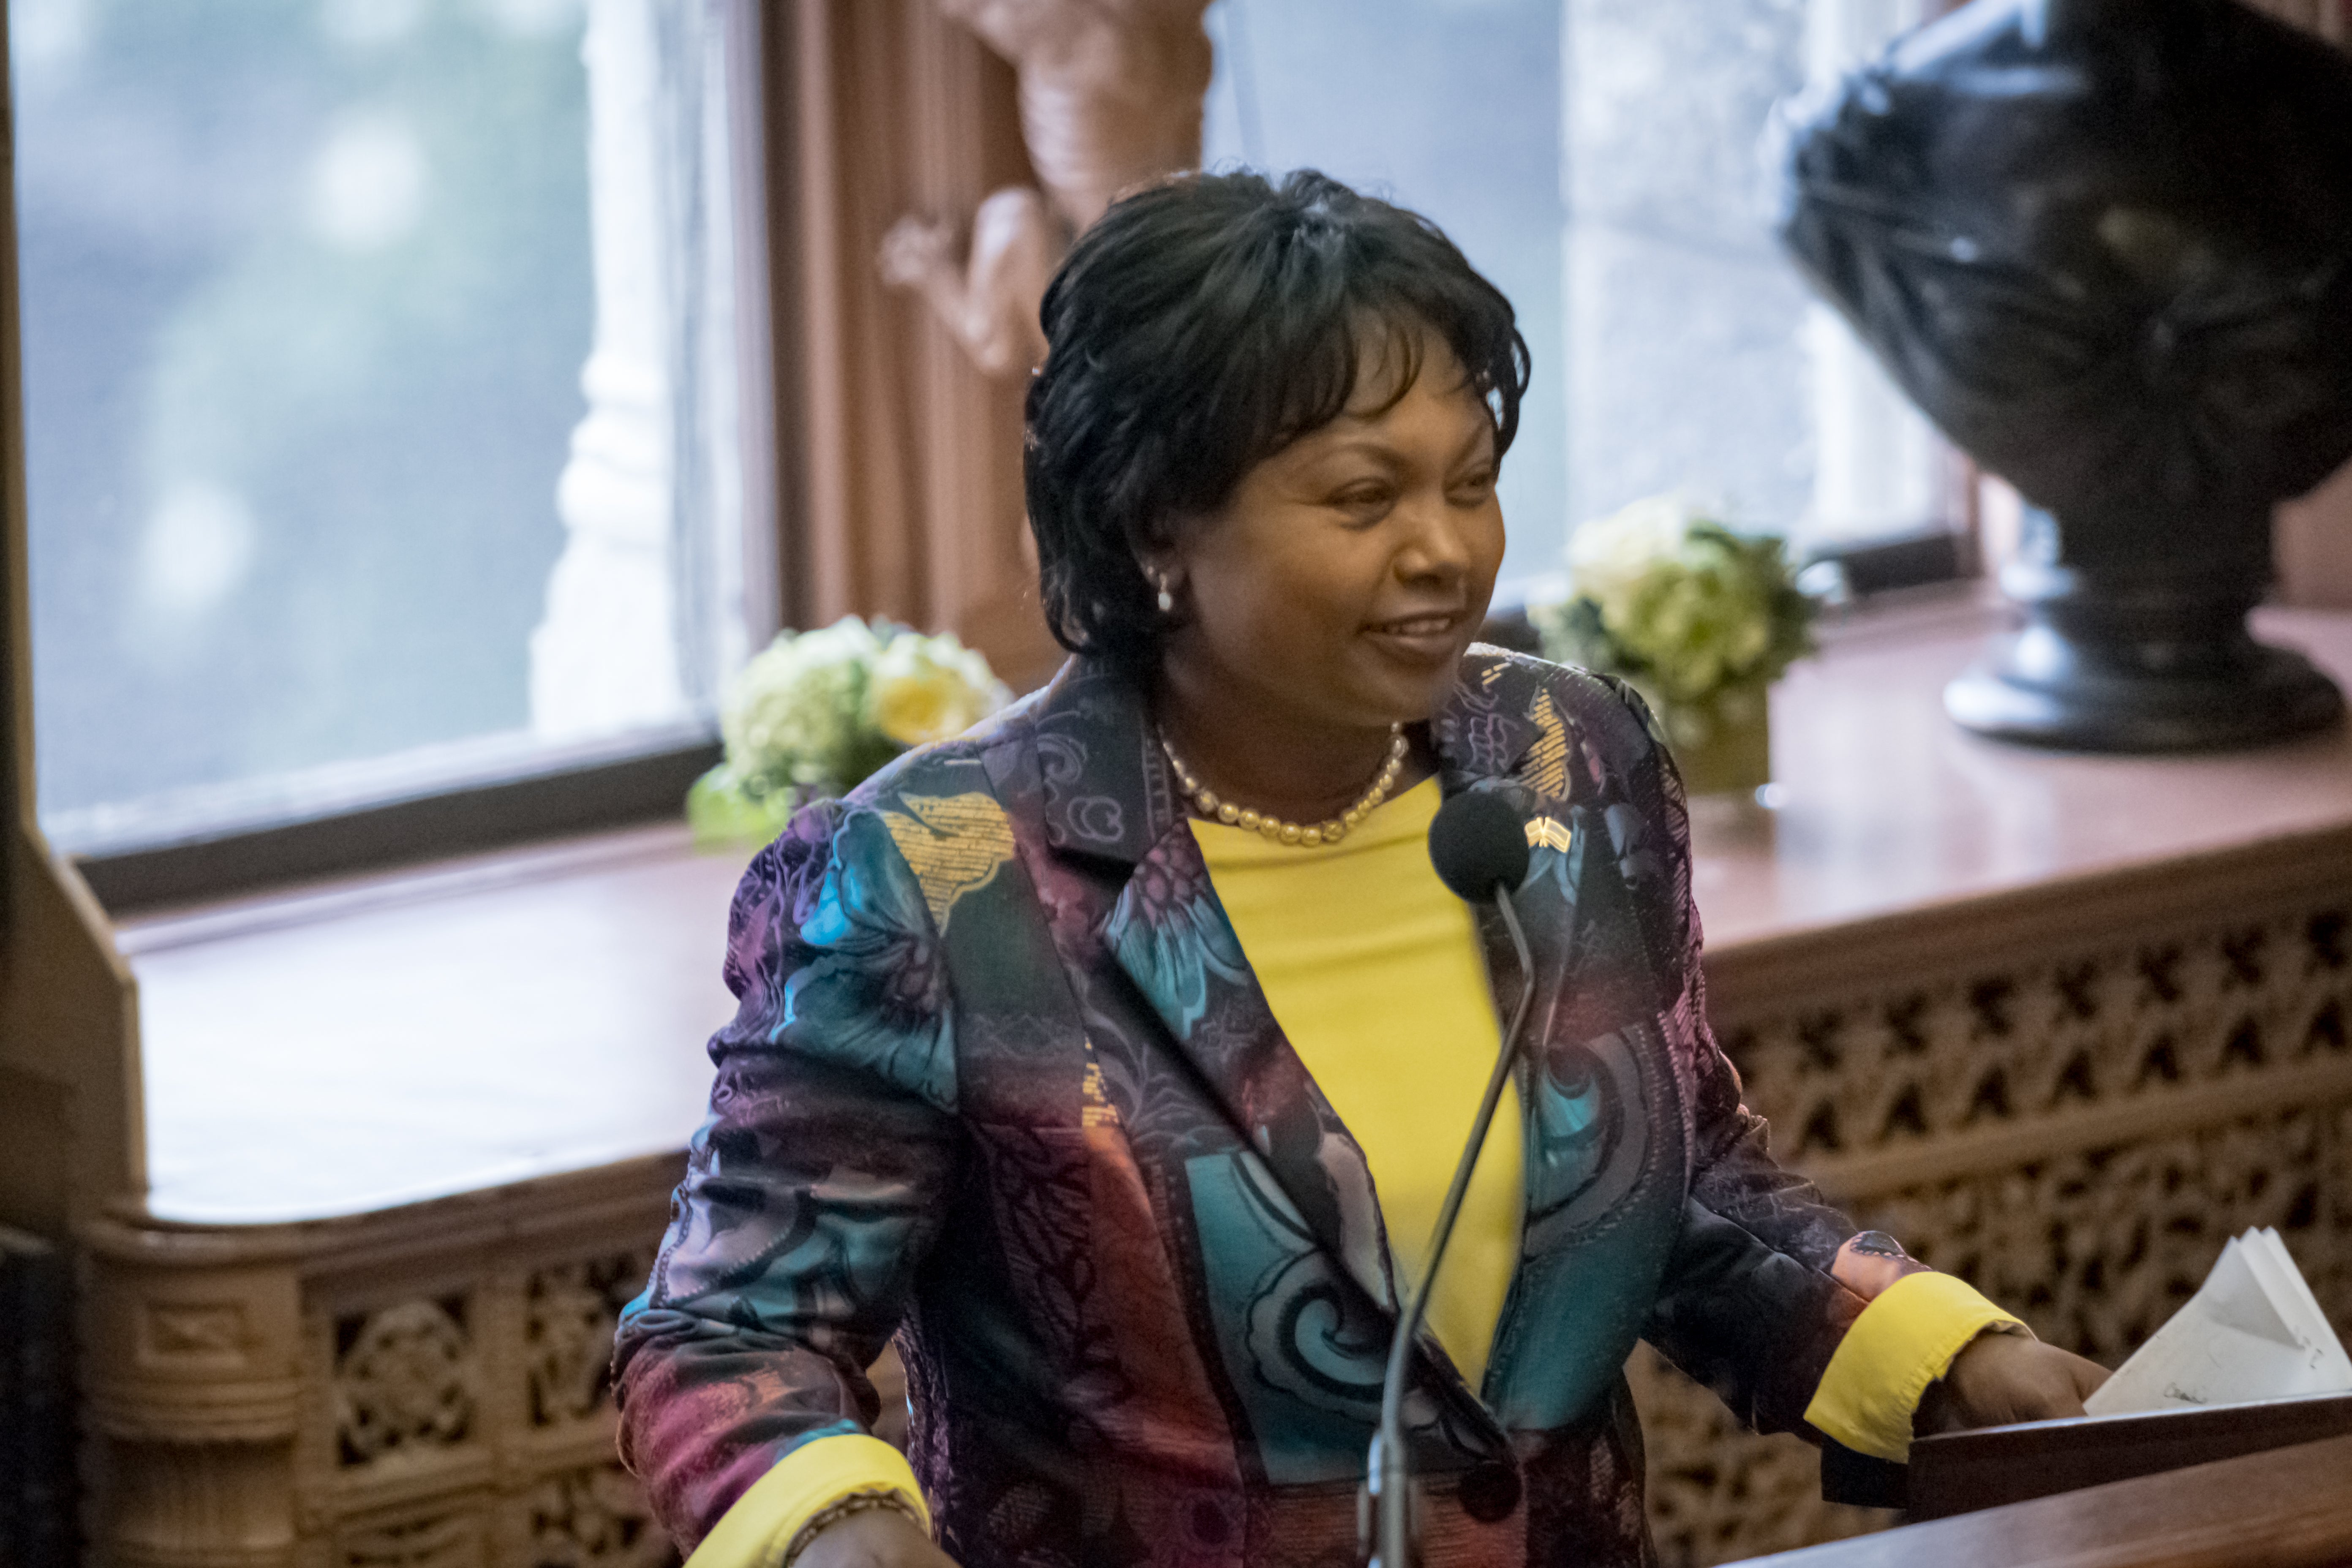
{"x": 1201, "y": 325}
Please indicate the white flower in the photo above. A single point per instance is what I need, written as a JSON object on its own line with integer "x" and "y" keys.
{"x": 793, "y": 715}
{"x": 1609, "y": 561}
{"x": 1667, "y": 594}
{"x": 822, "y": 709}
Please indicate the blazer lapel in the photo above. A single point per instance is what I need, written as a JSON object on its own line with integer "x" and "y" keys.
{"x": 1172, "y": 936}
{"x": 1107, "y": 790}
{"x": 1490, "y": 739}
{"x": 1110, "y": 794}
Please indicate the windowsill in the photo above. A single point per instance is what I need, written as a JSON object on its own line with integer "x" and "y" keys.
{"x": 380, "y": 1041}
{"x": 1886, "y": 807}
{"x": 384, "y": 1040}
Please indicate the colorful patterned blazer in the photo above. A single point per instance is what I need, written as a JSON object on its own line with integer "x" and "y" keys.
{"x": 1002, "y": 1083}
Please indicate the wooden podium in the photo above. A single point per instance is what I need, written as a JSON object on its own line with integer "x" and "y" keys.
{"x": 1965, "y": 1471}
{"x": 2285, "y": 1508}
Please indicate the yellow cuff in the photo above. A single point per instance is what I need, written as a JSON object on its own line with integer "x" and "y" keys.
{"x": 1903, "y": 1340}
{"x": 756, "y": 1530}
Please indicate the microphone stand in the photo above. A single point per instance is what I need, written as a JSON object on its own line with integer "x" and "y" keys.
{"x": 1389, "y": 1477}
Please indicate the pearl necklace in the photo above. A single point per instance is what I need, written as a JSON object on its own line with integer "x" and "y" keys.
{"x": 1206, "y": 802}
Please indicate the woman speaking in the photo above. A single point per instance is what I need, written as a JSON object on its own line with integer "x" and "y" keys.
{"x": 1116, "y": 1056}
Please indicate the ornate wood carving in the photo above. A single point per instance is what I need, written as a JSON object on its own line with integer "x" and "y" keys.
{"x": 2076, "y": 1134}
{"x": 423, "y": 1387}
{"x": 434, "y": 1541}
{"x": 571, "y": 1310}
{"x": 594, "y": 1518}
{"x": 405, "y": 1379}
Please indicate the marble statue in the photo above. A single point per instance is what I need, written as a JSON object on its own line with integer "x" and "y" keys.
{"x": 1110, "y": 95}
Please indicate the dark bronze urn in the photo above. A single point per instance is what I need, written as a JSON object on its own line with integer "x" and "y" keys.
{"x": 2106, "y": 244}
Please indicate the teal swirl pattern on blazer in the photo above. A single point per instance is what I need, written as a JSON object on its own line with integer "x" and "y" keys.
{"x": 1002, "y": 1083}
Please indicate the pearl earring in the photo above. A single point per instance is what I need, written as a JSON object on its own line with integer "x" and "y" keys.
{"x": 1166, "y": 599}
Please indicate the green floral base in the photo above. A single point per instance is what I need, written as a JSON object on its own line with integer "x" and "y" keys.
{"x": 1723, "y": 746}
{"x": 727, "y": 813}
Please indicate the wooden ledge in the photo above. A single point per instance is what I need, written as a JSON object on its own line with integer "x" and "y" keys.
{"x": 386, "y": 1043}
{"x": 1905, "y": 845}
{"x": 628, "y": 1198}
{"x": 2289, "y": 1508}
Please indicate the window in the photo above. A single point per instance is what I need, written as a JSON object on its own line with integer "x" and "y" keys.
{"x": 1599, "y": 159}
{"x": 379, "y": 376}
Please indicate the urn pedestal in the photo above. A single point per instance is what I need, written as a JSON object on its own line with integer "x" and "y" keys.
{"x": 2147, "y": 656}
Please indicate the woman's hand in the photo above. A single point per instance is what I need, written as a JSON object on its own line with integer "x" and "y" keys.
{"x": 876, "y": 1537}
{"x": 1999, "y": 1378}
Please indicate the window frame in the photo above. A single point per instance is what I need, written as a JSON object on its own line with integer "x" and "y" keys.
{"x": 484, "y": 815}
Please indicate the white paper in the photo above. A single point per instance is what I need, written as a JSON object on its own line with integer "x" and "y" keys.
{"x": 2339, "y": 1364}
{"x": 2252, "y": 1331}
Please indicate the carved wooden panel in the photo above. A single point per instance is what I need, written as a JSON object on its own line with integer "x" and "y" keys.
{"x": 571, "y": 1310}
{"x": 452, "y": 1407}
{"x": 1719, "y": 1492}
{"x": 2096, "y": 1249}
{"x": 1880, "y": 1072}
{"x": 2075, "y": 1130}
{"x": 593, "y": 1516}
{"x": 434, "y": 1538}
{"x": 210, "y": 1334}
{"x": 474, "y": 1425}
{"x": 405, "y": 1380}
{"x": 2076, "y": 1136}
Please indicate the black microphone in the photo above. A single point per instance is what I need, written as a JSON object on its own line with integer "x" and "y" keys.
{"x": 1479, "y": 846}
{"x": 1478, "y": 843}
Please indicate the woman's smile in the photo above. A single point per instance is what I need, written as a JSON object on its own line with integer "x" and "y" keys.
{"x": 1424, "y": 639}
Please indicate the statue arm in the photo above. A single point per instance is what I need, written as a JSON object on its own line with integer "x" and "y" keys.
{"x": 1032, "y": 35}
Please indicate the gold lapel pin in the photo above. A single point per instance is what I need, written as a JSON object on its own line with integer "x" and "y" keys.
{"x": 1548, "y": 833}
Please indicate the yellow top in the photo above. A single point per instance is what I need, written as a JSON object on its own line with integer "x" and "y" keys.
{"x": 1373, "y": 971}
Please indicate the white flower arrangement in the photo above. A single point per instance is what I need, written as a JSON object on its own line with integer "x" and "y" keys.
{"x": 816, "y": 711}
{"x": 1701, "y": 620}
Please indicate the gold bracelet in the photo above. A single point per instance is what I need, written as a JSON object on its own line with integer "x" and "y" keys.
{"x": 842, "y": 1508}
